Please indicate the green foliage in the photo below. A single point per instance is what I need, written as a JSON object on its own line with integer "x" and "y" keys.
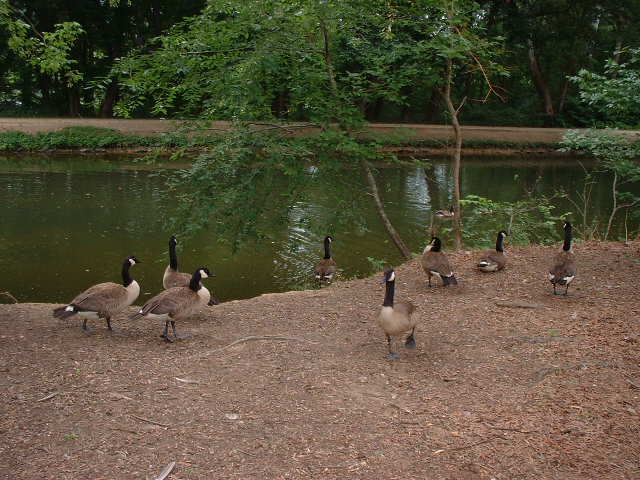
{"x": 613, "y": 95}
{"x": 247, "y": 173}
{"x": 49, "y": 52}
{"x": 616, "y": 154}
{"x": 528, "y": 221}
{"x": 377, "y": 265}
{"x": 71, "y": 137}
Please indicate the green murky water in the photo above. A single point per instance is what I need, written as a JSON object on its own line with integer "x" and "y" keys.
{"x": 67, "y": 222}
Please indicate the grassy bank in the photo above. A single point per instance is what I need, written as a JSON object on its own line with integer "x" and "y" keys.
{"x": 100, "y": 139}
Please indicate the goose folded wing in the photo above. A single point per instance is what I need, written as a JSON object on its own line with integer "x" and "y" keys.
{"x": 99, "y": 297}
{"x": 164, "y": 303}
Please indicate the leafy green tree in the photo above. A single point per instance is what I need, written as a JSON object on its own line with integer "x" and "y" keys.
{"x": 60, "y": 53}
{"x": 614, "y": 97}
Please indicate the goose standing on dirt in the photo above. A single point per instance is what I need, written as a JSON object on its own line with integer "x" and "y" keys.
{"x": 395, "y": 318}
{"x": 494, "y": 260}
{"x": 177, "y": 303}
{"x": 564, "y": 269}
{"x": 173, "y": 278}
{"x": 436, "y": 264}
{"x": 103, "y": 300}
{"x": 326, "y": 268}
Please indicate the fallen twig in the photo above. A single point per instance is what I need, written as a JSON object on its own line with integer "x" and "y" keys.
{"x": 518, "y": 304}
{"x": 247, "y": 453}
{"x": 7, "y": 294}
{"x": 260, "y": 337}
{"x": 150, "y": 421}
{"x": 48, "y": 397}
{"x": 633, "y": 384}
{"x": 186, "y": 380}
{"x": 512, "y": 429}
{"x": 165, "y": 473}
{"x": 471, "y": 445}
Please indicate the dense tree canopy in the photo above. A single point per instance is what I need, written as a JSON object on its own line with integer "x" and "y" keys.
{"x": 272, "y": 59}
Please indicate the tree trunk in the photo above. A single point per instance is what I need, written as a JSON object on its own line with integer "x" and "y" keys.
{"x": 110, "y": 98}
{"x": 74, "y": 101}
{"x": 456, "y": 156}
{"x": 434, "y": 195}
{"x": 541, "y": 87}
{"x": 395, "y": 236}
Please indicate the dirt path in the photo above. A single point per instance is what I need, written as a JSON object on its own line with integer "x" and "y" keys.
{"x": 413, "y": 131}
{"x": 551, "y": 392}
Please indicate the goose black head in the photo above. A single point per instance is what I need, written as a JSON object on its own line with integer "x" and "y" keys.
{"x": 389, "y": 275}
{"x": 132, "y": 260}
{"x": 173, "y": 240}
{"x": 205, "y": 273}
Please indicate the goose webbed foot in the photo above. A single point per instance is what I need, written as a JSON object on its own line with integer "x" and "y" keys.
{"x": 410, "y": 342}
{"x": 165, "y": 333}
{"x": 86, "y": 330}
{"x": 176, "y": 334}
{"x": 112, "y": 330}
{"x": 393, "y": 356}
{"x": 213, "y": 301}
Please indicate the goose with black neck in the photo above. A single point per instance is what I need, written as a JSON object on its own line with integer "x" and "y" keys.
{"x": 395, "y": 318}
{"x": 103, "y": 300}
{"x": 564, "y": 269}
{"x": 177, "y": 303}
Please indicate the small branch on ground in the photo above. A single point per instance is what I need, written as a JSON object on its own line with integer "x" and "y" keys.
{"x": 253, "y": 338}
{"x": 48, "y": 397}
{"x": 633, "y": 384}
{"x": 507, "y": 429}
{"x": 150, "y": 421}
{"x": 471, "y": 445}
{"x": 518, "y": 304}
{"x": 7, "y": 294}
{"x": 165, "y": 473}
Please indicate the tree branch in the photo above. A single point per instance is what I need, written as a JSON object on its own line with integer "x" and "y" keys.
{"x": 395, "y": 236}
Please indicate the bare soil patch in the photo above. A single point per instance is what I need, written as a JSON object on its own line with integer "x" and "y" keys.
{"x": 508, "y": 382}
{"x": 412, "y": 131}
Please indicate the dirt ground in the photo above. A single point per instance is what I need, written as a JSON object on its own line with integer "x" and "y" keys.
{"x": 493, "y": 391}
{"x": 416, "y": 131}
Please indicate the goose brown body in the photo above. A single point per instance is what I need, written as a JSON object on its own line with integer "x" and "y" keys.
{"x": 564, "y": 268}
{"x": 103, "y": 300}
{"x": 326, "y": 268}
{"x": 436, "y": 264}
{"x": 177, "y": 302}
{"x": 172, "y": 277}
{"x": 494, "y": 260}
{"x": 396, "y": 318}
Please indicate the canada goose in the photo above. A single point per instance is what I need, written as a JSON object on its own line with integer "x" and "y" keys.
{"x": 395, "y": 318}
{"x": 326, "y": 268}
{"x": 177, "y": 303}
{"x": 494, "y": 260}
{"x": 103, "y": 300}
{"x": 445, "y": 213}
{"x": 564, "y": 268}
{"x": 172, "y": 277}
{"x": 436, "y": 264}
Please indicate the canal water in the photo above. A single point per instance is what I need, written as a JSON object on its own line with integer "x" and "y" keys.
{"x": 67, "y": 222}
